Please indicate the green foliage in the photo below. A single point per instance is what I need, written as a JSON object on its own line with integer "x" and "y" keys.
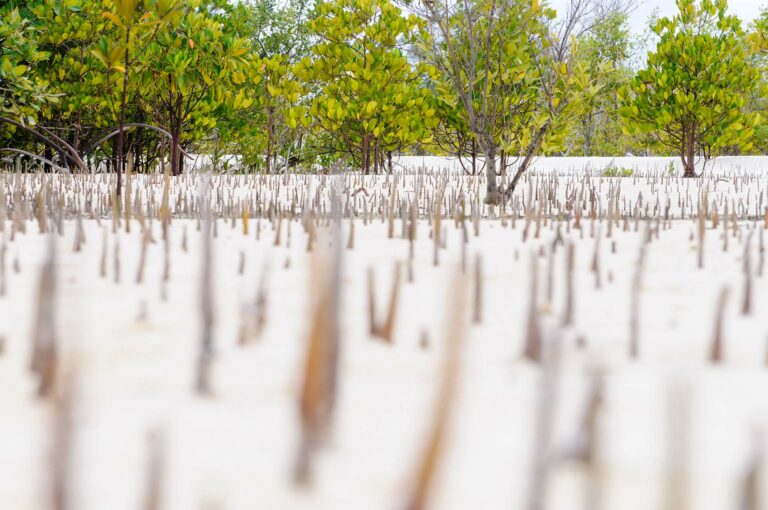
{"x": 369, "y": 99}
{"x": 568, "y": 89}
{"x": 179, "y": 66}
{"x": 508, "y": 80}
{"x": 606, "y": 51}
{"x": 614, "y": 171}
{"x": 23, "y": 93}
{"x": 486, "y": 76}
{"x": 190, "y": 70}
{"x": 757, "y": 101}
{"x": 282, "y": 83}
{"x": 692, "y": 94}
{"x": 69, "y": 33}
{"x": 274, "y": 125}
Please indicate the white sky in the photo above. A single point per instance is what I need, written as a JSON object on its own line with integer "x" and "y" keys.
{"x": 747, "y": 10}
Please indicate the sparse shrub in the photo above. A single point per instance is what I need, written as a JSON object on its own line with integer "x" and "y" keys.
{"x": 614, "y": 171}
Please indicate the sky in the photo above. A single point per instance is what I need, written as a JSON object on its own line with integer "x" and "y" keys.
{"x": 747, "y": 10}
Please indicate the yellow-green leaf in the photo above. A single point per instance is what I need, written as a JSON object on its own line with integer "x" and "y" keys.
{"x": 114, "y": 19}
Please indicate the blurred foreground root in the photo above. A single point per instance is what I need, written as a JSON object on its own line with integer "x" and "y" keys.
{"x": 429, "y": 462}
{"x": 318, "y": 391}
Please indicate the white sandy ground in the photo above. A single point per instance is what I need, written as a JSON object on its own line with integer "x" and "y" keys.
{"x": 550, "y": 164}
{"x": 235, "y": 450}
{"x": 596, "y": 165}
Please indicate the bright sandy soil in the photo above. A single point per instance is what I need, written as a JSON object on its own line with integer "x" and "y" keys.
{"x": 134, "y": 354}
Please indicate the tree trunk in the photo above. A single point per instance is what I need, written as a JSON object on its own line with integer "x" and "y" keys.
{"x": 687, "y": 154}
{"x": 137, "y": 160}
{"x": 172, "y": 153}
{"x": 177, "y": 158}
{"x": 389, "y": 162}
{"x": 532, "y": 148}
{"x": 587, "y": 124}
{"x": 270, "y": 141}
{"x": 492, "y": 195}
{"x": 113, "y": 162}
{"x": 688, "y": 168}
{"x": 376, "y": 158}
{"x": 503, "y": 164}
{"x": 48, "y": 154}
{"x": 365, "y": 154}
{"x": 474, "y": 157}
{"x": 175, "y": 152}
{"x": 78, "y": 128}
{"x": 123, "y": 107}
{"x": 148, "y": 158}
{"x": 177, "y": 140}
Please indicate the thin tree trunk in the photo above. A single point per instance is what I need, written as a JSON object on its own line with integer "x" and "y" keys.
{"x": 175, "y": 154}
{"x": 365, "y": 152}
{"x": 172, "y": 154}
{"x": 587, "y": 137}
{"x": 503, "y": 164}
{"x": 492, "y": 195}
{"x": 270, "y": 139}
{"x": 48, "y": 154}
{"x": 114, "y": 159}
{"x": 532, "y": 148}
{"x": 177, "y": 139}
{"x": 78, "y": 129}
{"x": 123, "y": 106}
{"x": 688, "y": 153}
